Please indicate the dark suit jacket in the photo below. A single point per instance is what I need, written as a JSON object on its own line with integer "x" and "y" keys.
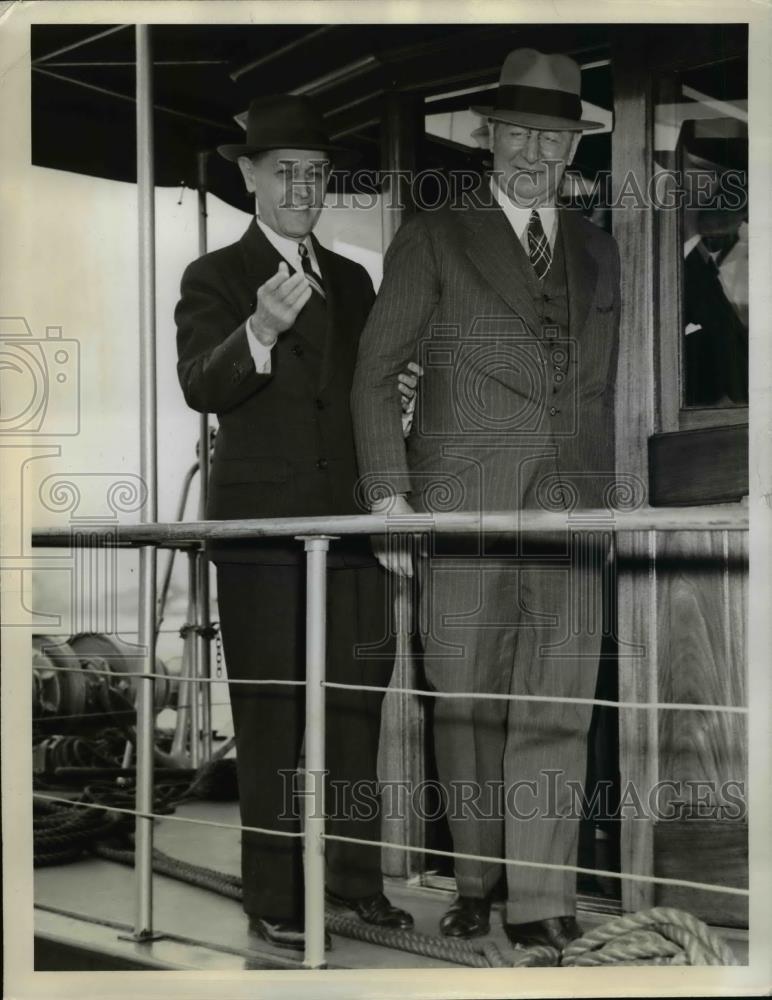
{"x": 716, "y": 355}
{"x": 493, "y": 430}
{"x": 285, "y": 443}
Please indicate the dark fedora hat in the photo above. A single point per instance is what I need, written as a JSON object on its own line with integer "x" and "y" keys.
{"x": 286, "y": 122}
{"x": 539, "y": 91}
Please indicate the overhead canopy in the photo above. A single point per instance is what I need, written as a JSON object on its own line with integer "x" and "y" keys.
{"x": 83, "y": 78}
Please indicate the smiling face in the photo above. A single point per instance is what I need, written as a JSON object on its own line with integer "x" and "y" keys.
{"x": 289, "y": 187}
{"x": 529, "y": 163}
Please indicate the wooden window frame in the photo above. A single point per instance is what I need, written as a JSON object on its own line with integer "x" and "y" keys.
{"x": 671, "y": 414}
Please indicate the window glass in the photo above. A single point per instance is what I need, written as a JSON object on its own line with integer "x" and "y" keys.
{"x": 701, "y": 148}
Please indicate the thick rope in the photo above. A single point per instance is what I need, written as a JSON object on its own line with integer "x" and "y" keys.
{"x": 673, "y": 936}
{"x": 163, "y": 864}
{"x": 660, "y": 936}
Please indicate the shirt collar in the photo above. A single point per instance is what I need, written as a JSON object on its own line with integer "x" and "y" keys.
{"x": 518, "y": 216}
{"x": 286, "y": 247}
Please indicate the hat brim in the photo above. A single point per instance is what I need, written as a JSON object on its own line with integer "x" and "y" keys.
{"x": 547, "y": 122}
{"x": 339, "y": 155}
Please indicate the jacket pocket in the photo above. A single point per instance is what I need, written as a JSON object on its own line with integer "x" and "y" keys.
{"x": 251, "y": 470}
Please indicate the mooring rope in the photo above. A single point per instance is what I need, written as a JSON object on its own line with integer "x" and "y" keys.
{"x": 659, "y": 936}
{"x": 662, "y": 932}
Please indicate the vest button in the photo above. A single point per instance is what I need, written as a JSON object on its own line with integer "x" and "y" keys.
{"x": 320, "y": 404}
{"x": 321, "y": 463}
{"x": 559, "y": 377}
{"x": 297, "y": 350}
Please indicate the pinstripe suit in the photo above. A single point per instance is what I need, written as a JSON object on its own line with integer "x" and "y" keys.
{"x": 515, "y": 412}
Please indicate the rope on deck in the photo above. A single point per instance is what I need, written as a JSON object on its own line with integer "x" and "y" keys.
{"x": 662, "y": 936}
{"x": 659, "y": 936}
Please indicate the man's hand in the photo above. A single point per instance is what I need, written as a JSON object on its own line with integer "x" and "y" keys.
{"x": 279, "y": 301}
{"x": 407, "y": 383}
{"x": 393, "y": 552}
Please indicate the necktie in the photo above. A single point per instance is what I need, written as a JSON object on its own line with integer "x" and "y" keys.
{"x": 538, "y": 246}
{"x": 314, "y": 279}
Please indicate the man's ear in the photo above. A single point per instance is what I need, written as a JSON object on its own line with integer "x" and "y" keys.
{"x": 247, "y": 168}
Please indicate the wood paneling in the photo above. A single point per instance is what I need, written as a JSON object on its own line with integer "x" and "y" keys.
{"x": 683, "y": 595}
{"x": 704, "y": 851}
{"x": 633, "y": 229}
{"x": 699, "y": 467}
{"x": 701, "y": 617}
{"x": 702, "y": 613}
{"x": 638, "y": 735}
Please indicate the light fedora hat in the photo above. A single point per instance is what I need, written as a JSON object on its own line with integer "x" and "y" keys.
{"x": 539, "y": 91}
{"x": 286, "y": 121}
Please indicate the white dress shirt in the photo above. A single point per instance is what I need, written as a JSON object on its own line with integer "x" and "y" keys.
{"x": 261, "y": 354}
{"x": 519, "y": 217}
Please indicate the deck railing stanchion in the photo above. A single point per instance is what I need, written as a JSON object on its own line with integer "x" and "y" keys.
{"x": 313, "y": 798}
{"x": 194, "y": 665}
{"x": 143, "y": 863}
{"x": 203, "y": 635}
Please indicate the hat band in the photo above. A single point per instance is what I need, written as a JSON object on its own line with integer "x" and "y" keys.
{"x": 288, "y": 138}
{"x": 539, "y": 101}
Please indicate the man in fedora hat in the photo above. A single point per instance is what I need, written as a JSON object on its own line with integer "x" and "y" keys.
{"x": 511, "y": 304}
{"x": 267, "y": 331}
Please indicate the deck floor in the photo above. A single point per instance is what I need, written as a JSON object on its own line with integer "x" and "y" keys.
{"x": 208, "y": 931}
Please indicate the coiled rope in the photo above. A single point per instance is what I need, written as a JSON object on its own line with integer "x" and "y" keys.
{"x": 661, "y": 936}
{"x": 64, "y": 833}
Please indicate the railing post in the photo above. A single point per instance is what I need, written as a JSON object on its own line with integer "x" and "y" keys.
{"x": 143, "y": 863}
{"x": 313, "y": 799}
{"x": 203, "y": 640}
{"x": 194, "y": 647}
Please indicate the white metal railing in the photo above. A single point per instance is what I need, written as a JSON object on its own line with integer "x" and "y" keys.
{"x": 316, "y": 533}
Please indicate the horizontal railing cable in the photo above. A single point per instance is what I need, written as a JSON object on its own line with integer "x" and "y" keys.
{"x": 660, "y": 880}
{"x": 174, "y": 677}
{"x": 559, "y": 699}
{"x": 176, "y": 819}
{"x": 494, "y": 696}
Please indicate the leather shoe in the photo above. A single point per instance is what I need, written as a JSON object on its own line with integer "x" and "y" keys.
{"x": 557, "y": 932}
{"x": 467, "y": 917}
{"x": 283, "y": 933}
{"x": 375, "y": 909}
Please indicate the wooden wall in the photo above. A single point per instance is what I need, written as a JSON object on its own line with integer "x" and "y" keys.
{"x": 683, "y": 596}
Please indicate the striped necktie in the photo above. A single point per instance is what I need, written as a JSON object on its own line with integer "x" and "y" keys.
{"x": 538, "y": 246}
{"x": 314, "y": 279}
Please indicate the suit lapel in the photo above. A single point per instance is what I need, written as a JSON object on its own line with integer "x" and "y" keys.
{"x": 495, "y": 251}
{"x": 581, "y": 270}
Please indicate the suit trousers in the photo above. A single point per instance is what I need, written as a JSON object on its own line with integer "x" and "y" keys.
{"x": 511, "y": 770}
{"x": 262, "y": 620}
